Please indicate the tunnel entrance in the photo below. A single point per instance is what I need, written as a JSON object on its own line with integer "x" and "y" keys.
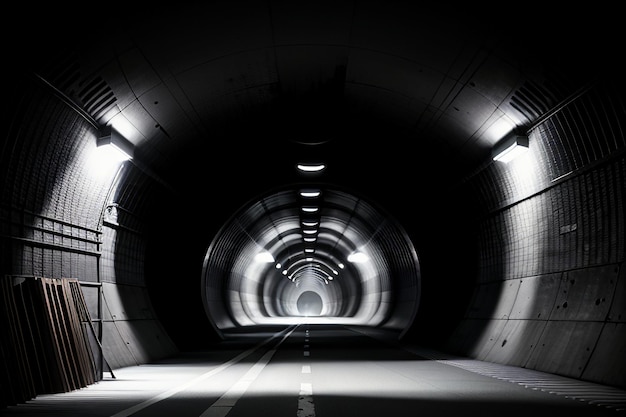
{"x": 309, "y": 304}
{"x": 308, "y": 250}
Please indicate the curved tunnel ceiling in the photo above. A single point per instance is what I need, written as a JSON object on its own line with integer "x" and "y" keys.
{"x": 311, "y": 251}
{"x": 440, "y": 80}
{"x": 228, "y": 96}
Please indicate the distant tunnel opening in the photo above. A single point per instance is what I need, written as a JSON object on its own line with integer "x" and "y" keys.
{"x": 333, "y": 257}
{"x": 310, "y": 304}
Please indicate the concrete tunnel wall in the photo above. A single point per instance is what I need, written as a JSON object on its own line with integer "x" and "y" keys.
{"x": 550, "y": 289}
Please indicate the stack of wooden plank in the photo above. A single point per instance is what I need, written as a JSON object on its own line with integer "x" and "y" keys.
{"x": 45, "y": 346}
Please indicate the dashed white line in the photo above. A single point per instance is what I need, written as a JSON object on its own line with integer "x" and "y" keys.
{"x": 306, "y": 408}
{"x": 306, "y": 389}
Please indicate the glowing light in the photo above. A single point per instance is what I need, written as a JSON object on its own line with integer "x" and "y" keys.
{"x": 358, "y": 257}
{"x": 310, "y": 193}
{"x": 510, "y": 149}
{"x": 311, "y": 167}
{"x": 109, "y": 138}
{"x": 264, "y": 256}
{"x": 105, "y": 160}
{"x": 310, "y": 209}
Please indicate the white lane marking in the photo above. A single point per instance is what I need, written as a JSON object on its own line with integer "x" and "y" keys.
{"x": 216, "y": 412}
{"x": 227, "y": 401}
{"x": 137, "y": 407}
{"x": 306, "y": 408}
{"x": 230, "y": 397}
{"x": 306, "y": 388}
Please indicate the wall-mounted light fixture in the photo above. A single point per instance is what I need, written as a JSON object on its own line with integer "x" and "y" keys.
{"x": 510, "y": 148}
{"x": 112, "y": 138}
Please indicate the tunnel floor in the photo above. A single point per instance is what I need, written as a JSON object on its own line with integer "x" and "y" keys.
{"x": 309, "y": 370}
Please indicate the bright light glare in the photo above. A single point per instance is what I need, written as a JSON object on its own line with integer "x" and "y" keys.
{"x": 309, "y": 209}
{"x": 358, "y": 257}
{"x": 510, "y": 153}
{"x": 311, "y": 167}
{"x": 514, "y": 147}
{"x": 264, "y": 256}
{"x": 105, "y": 159}
{"x": 310, "y": 194}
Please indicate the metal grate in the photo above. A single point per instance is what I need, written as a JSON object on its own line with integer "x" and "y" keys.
{"x": 589, "y": 392}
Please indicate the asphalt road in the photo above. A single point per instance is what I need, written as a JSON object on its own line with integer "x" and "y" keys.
{"x": 312, "y": 370}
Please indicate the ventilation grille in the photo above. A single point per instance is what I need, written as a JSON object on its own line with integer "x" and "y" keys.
{"x": 96, "y": 97}
{"x": 532, "y": 101}
{"x": 92, "y": 94}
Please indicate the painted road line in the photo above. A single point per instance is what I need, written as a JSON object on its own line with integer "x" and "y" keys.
{"x": 137, "y": 407}
{"x": 227, "y": 401}
{"x": 306, "y": 408}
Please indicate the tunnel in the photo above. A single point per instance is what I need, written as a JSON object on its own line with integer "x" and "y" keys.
{"x": 326, "y": 253}
{"x": 198, "y": 187}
